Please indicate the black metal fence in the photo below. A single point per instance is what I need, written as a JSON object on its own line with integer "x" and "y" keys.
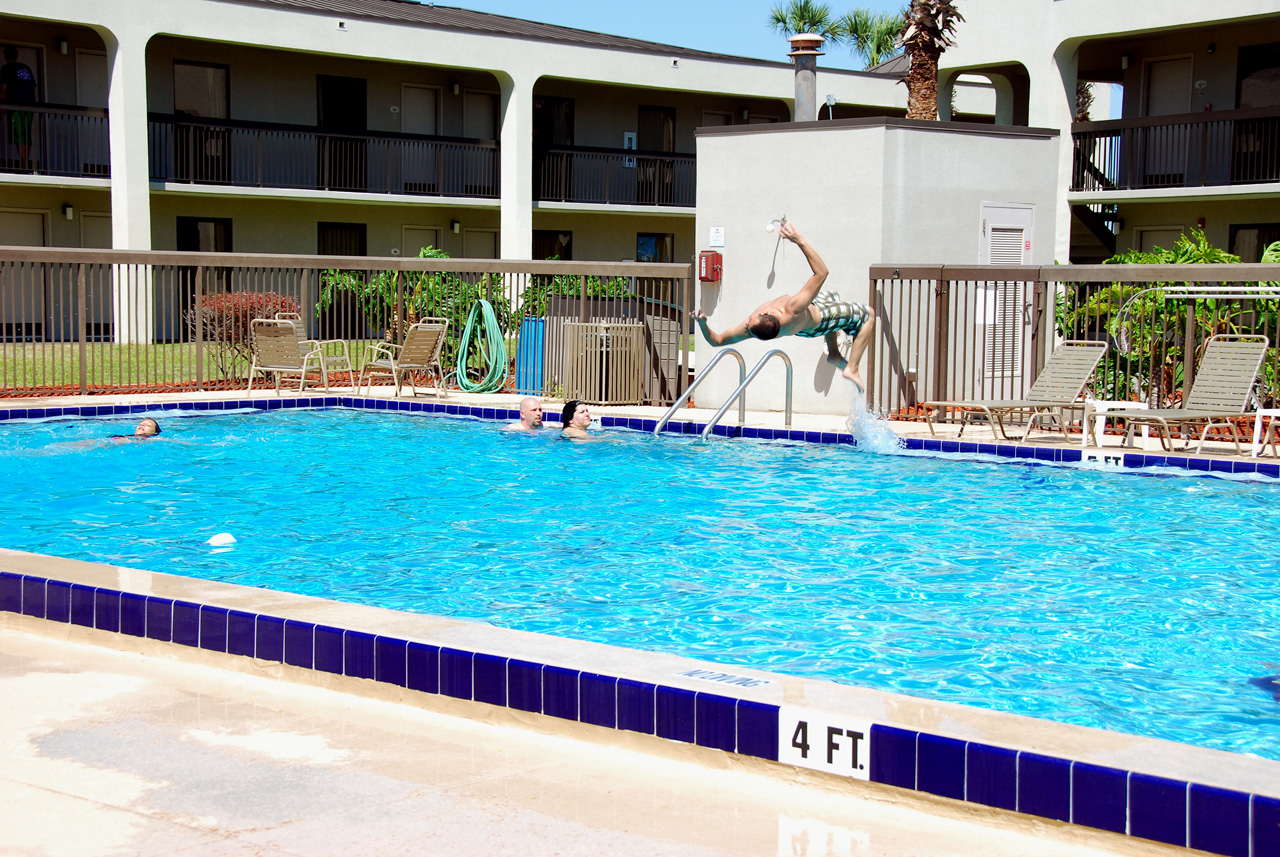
{"x": 55, "y": 140}
{"x": 616, "y": 177}
{"x": 259, "y": 154}
{"x": 1223, "y": 147}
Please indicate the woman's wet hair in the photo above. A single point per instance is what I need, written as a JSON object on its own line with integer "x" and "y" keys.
{"x": 766, "y": 327}
{"x": 154, "y": 423}
{"x": 566, "y": 416}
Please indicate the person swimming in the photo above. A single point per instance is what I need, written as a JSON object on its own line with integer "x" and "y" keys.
{"x": 575, "y": 419}
{"x": 145, "y": 429}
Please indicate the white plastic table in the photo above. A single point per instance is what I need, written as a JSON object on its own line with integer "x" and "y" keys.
{"x": 1096, "y": 412}
{"x": 1257, "y": 427}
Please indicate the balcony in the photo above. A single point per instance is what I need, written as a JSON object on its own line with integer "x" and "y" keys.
{"x": 615, "y": 177}
{"x": 59, "y": 140}
{"x": 299, "y": 157}
{"x": 1221, "y": 148}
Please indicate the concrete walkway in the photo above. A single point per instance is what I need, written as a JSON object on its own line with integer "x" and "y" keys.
{"x": 108, "y": 753}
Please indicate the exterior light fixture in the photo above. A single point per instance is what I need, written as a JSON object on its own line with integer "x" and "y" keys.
{"x": 456, "y": 87}
{"x": 456, "y": 226}
{"x": 1124, "y": 60}
{"x": 68, "y": 211}
{"x": 62, "y": 46}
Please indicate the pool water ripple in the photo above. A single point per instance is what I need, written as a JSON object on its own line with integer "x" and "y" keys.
{"x": 1139, "y": 603}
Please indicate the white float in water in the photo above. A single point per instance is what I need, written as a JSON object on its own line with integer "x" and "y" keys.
{"x": 222, "y": 539}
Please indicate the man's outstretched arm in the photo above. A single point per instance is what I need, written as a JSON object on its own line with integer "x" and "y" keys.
{"x": 737, "y": 333}
{"x": 809, "y": 290}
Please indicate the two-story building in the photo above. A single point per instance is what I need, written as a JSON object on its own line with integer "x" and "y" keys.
{"x": 1197, "y": 143}
{"x": 370, "y": 127}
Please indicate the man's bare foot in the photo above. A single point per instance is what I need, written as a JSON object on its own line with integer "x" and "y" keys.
{"x": 836, "y": 359}
{"x": 851, "y": 373}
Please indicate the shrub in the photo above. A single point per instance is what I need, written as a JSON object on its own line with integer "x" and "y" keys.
{"x": 225, "y": 320}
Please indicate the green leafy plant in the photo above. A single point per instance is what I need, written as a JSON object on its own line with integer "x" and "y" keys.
{"x": 534, "y": 298}
{"x": 1147, "y": 331}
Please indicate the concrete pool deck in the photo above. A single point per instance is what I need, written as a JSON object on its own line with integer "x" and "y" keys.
{"x": 716, "y": 823}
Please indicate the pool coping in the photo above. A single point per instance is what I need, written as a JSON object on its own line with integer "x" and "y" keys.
{"x": 1179, "y": 794}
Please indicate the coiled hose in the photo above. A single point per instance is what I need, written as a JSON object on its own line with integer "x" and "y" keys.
{"x": 493, "y": 350}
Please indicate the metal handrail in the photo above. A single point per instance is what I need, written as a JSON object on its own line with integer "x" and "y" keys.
{"x": 742, "y": 387}
{"x": 742, "y": 376}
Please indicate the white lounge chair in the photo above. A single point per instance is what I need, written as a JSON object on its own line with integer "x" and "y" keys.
{"x": 1220, "y": 393}
{"x": 420, "y": 354}
{"x": 1061, "y": 384}
{"x": 276, "y": 351}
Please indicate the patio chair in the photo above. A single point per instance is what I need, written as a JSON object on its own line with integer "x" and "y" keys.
{"x": 1061, "y": 384}
{"x": 276, "y": 350}
{"x": 1221, "y": 392}
{"x": 334, "y": 356}
{"x": 420, "y": 354}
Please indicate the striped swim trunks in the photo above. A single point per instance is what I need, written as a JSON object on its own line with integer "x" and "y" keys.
{"x": 836, "y": 315}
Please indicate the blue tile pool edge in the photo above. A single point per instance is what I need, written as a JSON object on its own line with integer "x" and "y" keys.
{"x": 1015, "y": 453}
{"x": 1217, "y": 820}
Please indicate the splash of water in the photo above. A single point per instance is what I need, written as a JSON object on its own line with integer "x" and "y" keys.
{"x": 871, "y": 430}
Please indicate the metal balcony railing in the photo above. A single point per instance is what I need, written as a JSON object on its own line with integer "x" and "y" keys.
{"x": 54, "y": 140}
{"x": 260, "y": 154}
{"x": 615, "y": 177}
{"x": 1224, "y": 147}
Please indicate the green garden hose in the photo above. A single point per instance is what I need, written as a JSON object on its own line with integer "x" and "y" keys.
{"x": 493, "y": 351}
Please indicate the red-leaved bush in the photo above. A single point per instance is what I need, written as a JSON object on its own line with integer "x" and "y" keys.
{"x": 225, "y": 319}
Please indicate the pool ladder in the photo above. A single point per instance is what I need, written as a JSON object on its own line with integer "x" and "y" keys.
{"x": 738, "y": 395}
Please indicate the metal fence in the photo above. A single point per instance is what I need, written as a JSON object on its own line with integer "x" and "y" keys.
{"x": 1193, "y": 150}
{"x": 100, "y": 321}
{"x": 949, "y": 333}
{"x": 616, "y": 177}
{"x": 55, "y": 140}
{"x": 261, "y": 154}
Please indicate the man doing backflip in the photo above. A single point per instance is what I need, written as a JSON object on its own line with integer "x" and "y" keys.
{"x": 806, "y": 313}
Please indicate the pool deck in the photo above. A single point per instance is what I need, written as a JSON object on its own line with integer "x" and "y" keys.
{"x": 167, "y": 750}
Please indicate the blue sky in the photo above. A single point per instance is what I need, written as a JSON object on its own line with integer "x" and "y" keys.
{"x": 736, "y": 27}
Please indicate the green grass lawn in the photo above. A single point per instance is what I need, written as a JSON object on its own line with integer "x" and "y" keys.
{"x": 56, "y": 365}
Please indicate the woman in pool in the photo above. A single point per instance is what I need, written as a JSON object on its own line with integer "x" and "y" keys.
{"x": 147, "y": 428}
{"x": 576, "y": 419}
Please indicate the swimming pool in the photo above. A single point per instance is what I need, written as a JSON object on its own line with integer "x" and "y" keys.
{"x": 1140, "y": 604}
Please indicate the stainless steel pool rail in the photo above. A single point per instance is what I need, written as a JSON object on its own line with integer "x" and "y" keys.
{"x": 684, "y": 397}
{"x": 739, "y": 393}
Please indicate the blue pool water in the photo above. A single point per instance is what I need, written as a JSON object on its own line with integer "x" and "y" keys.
{"x": 1138, "y": 603}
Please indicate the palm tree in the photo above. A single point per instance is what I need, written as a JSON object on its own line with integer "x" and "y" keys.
{"x": 926, "y": 33}
{"x": 871, "y": 35}
{"x": 804, "y": 16}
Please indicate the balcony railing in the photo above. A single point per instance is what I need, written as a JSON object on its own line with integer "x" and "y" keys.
{"x": 54, "y": 140}
{"x": 299, "y": 157}
{"x": 615, "y": 177}
{"x": 1214, "y": 149}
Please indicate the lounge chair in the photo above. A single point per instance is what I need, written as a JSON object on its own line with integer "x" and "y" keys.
{"x": 1061, "y": 384}
{"x": 1221, "y": 392}
{"x": 276, "y": 350}
{"x": 420, "y": 353}
{"x": 334, "y": 356}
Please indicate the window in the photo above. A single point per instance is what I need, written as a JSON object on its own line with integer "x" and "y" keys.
{"x": 552, "y": 243}
{"x": 655, "y": 246}
{"x": 201, "y": 89}
{"x": 1249, "y": 240}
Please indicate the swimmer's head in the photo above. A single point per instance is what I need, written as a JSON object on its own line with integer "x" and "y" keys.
{"x": 147, "y": 428}
{"x": 531, "y": 412}
{"x": 575, "y": 414}
{"x": 763, "y": 326}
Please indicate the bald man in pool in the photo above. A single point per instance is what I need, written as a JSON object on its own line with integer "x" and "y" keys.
{"x": 530, "y": 416}
{"x": 809, "y": 313}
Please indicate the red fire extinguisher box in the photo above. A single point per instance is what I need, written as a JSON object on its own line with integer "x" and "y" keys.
{"x": 710, "y": 266}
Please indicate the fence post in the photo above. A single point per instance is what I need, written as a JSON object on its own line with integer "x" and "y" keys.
{"x": 1039, "y": 341}
{"x": 1189, "y": 350}
{"x": 82, "y": 305}
{"x": 941, "y": 337}
{"x": 198, "y": 332}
